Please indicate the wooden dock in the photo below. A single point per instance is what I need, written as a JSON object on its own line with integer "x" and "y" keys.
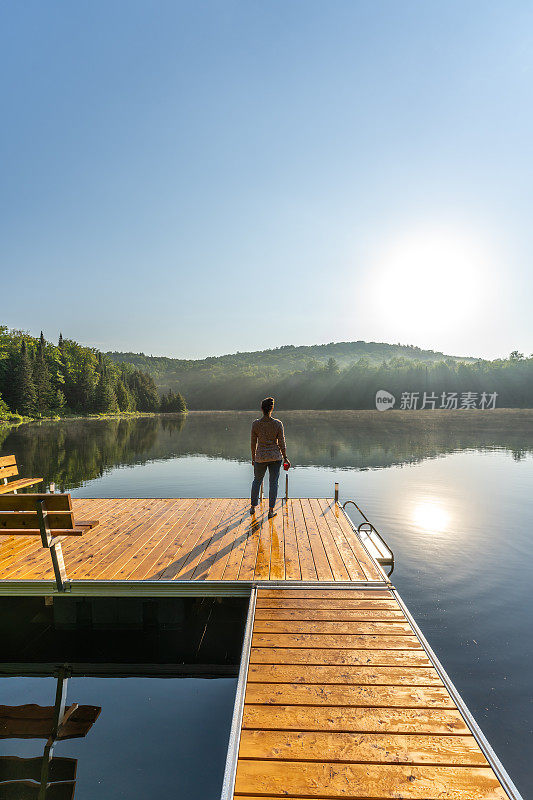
{"x": 339, "y": 695}
{"x": 342, "y": 701}
{"x": 200, "y": 539}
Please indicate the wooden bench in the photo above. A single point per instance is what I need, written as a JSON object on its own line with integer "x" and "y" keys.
{"x": 8, "y": 469}
{"x": 49, "y": 516}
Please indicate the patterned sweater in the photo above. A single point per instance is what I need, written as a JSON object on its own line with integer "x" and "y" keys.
{"x": 268, "y": 439}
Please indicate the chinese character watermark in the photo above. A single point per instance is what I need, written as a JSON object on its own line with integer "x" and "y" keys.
{"x": 447, "y": 401}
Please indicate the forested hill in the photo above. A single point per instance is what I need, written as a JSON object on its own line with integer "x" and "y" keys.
{"x": 341, "y": 375}
{"x": 288, "y": 358}
{"x": 336, "y": 376}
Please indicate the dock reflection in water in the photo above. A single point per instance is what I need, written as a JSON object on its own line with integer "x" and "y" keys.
{"x": 152, "y": 734}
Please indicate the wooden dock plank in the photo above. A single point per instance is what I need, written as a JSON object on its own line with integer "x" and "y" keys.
{"x": 322, "y": 565}
{"x": 305, "y": 553}
{"x": 293, "y": 571}
{"x": 338, "y": 657}
{"x": 345, "y": 641}
{"x": 321, "y": 532}
{"x": 361, "y": 748}
{"x": 295, "y": 694}
{"x": 357, "y": 781}
{"x": 264, "y": 548}
{"x": 191, "y": 535}
{"x": 277, "y": 546}
{"x": 394, "y": 628}
{"x": 327, "y": 511}
{"x": 229, "y": 557}
{"x": 155, "y": 558}
{"x": 211, "y": 534}
{"x": 322, "y": 675}
{"x": 165, "y": 552}
{"x": 345, "y": 718}
{"x": 220, "y": 545}
{"x": 246, "y": 570}
{"x": 368, "y": 565}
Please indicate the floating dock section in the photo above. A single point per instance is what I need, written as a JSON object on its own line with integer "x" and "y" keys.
{"x": 339, "y": 694}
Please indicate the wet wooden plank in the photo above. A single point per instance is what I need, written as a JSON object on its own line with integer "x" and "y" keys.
{"x": 213, "y": 531}
{"x": 345, "y": 641}
{"x": 305, "y": 553}
{"x": 320, "y": 531}
{"x": 333, "y": 615}
{"x": 165, "y": 552}
{"x": 232, "y": 547}
{"x": 292, "y": 560}
{"x": 156, "y": 556}
{"x": 358, "y": 781}
{"x": 209, "y": 510}
{"x": 353, "y": 695}
{"x": 143, "y": 547}
{"x": 346, "y": 718}
{"x": 325, "y": 604}
{"x": 322, "y": 675}
{"x": 220, "y": 546}
{"x": 322, "y": 565}
{"x": 246, "y": 566}
{"x": 262, "y": 562}
{"x": 394, "y": 628}
{"x": 338, "y": 657}
{"x": 282, "y": 593}
{"x": 361, "y": 748}
{"x": 277, "y": 545}
{"x": 348, "y": 546}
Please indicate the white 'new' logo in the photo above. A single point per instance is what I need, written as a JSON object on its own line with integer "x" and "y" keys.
{"x": 384, "y": 400}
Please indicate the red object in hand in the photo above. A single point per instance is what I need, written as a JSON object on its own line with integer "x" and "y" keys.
{"x": 286, "y": 465}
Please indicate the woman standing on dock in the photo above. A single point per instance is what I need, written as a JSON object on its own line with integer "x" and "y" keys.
{"x": 268, "y": 450}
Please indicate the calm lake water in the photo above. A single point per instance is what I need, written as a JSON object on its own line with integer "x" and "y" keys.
{"x": 450, "y": 492}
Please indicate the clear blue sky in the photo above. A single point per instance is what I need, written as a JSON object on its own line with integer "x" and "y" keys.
{"x": 198, "y": 178}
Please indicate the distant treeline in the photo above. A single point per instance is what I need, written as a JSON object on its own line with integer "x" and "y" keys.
{"x": 40, "y": 379}
{"x": 242, "y": 380}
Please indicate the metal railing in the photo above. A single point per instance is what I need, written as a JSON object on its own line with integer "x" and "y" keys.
{"x": 384, "y": 559}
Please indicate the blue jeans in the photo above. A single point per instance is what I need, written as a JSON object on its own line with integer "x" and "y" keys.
{"x": 260, "y": 468}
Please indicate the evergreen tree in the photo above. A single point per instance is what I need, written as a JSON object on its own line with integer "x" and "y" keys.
{"x": 44, "y": 394}
{"x": 124, "y": 398}
{"x": 144, "y": 391}
{"x": 181, "y": 405}
{"x": 172, "y": 403}
{"x": 105, "y": 400}
{"x": 23, "y": 390}
{"x": 59, "y": 401}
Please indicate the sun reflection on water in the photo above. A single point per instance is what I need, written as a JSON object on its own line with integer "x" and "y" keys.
{"x": 431, "y": 516}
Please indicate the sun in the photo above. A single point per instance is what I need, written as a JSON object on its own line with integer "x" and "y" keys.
{"x": 431, "y": 280}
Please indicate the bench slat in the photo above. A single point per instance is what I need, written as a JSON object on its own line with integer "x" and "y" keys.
{"x": 29, "y": 519}
{"x": 8, "y": 472}
{"x": 7, "y": 461}
{"x": 19, "y": 484}
{"x": 28, "y": 502}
